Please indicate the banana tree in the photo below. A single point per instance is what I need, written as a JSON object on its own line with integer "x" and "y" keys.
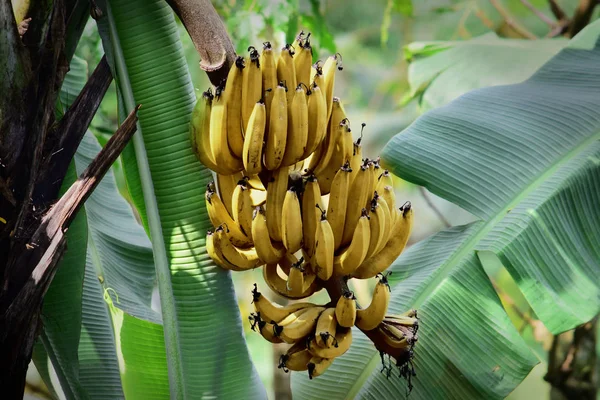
{"x": 522, "y": 158}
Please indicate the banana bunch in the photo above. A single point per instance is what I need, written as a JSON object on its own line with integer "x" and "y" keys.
{"x": 293, "y": 193}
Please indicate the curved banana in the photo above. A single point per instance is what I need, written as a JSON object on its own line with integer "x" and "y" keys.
{"x": 279, "y": 285}
{"x": 388, "y": 222}
{"x": 253, "y": 142}
{"x": 297, "y": 133}
{"x": 299, "y": 40}
{"x": 392, "y": 249}
{"x": 372, "y": 182}
{"x": 268, "y": 251}
{"x": 200, "y": 131}
{"x": 317, "y": 366}
{"x": 317, "y": 120}
{"x": 311, "y": 198}
{"x": 342, "y": 153}
{"x": 369, "y": 318}
{"x": 268, "y": 330}
{"x": 271, "y": 312}
{"x": 303, "y": 60}
{"x": 295, "y": 281}
{"x": 242, "y": 259}
{"x": 324, "y": 249}
{"x": 338, "y": 198}
{"x": 291, "y": 218}
{"x": 345, "y": 310}
{"x": 242, "y": 207}
{"x": 218, "y": 135}
{"x": 286, "y": 71}
{"x": 233, "y": 91}
{"x": 385, "y": 188}
{"x": 218, "y": 216}
{"x": 252, "y": 86}
{"x": 352, "y": 256}
{"x": 296, "y": 358}
{"x": 217, "y": 255}
{"x": 308, "y": 276}
{"x": 302, "y": 326}
{"x": 327, "y": 147}
{"x": 226, "y": 184}
{"x": 333, "y": 62}
{"x": 377, "y": 226}
{"x": 278, "y": 126}
{"x": 276, "y": 191}
{"x": 268, "y": 65}
{"x": 343, "y": 338}
{"x": 356, "y": 202}
{"x": 326, "y": 327}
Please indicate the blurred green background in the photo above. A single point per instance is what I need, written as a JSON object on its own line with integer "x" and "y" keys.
{"x": 387, "y": 84}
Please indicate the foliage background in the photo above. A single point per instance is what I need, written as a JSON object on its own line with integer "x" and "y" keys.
{"x": 381, "y": 88}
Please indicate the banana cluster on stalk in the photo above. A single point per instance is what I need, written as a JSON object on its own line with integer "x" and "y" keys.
{"x": 294, "y": 194}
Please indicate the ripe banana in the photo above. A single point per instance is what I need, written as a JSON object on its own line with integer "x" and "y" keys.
{"x": 252, "y": 86}
{"x": 242, "y": 207}
{"x": 373, "y": 173}
{"x": 297, "y": 133}
{"x": 268, "y": 251}
{"x": 341, "y": 153}
{"x": 343, "y": 338}
{"x": 317, "y": 120}
{"x": 218, "y": 134}
{"x": 338, "y": 198}
{"x": 218, "y": 216}
{"x": 271, "y": 312}
{"x": 233, "y": 90}
{"x": 253, "y": 142}
{"x": 356, "y": 202}
{"x": 226, "y": 184}
{"x": 303, "y": 60}
{"x": 296, "y": 358}
{"x": 268, "y": 330}
{"x": 385, "y": 188}
{"x": 393, "y": 340}
{"x": 200, "y": 131}
{"x": 291, "y": 227}
{"x": 398, "y": 239}
{"x": 369, "y": 318}
{"x": 377, "y": 225}
{"x": 268, "y": 65}
{"x": 352, "y": 256}
{"x": 333, "y": 62}
{"x": 243, "y": 259}
{"x": 324, "y": 249}
{"x": 317, "y": 366}
{"x": 278, "y": 126}
{"x": 345, "y": 310}
{"x": 302, "y": 326}
{"x": 311, "y": 198}
{"x": 295, "y": 281}
{"x": 327, "y": 148}
{"x": 326, "y": 327}
{"x": 279, "y": 285}
{"x": 388, "y": 222}
{"x": 286, "y": 71}
{"x": 276, "y": 192}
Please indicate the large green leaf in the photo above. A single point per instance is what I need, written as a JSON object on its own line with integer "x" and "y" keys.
{"x": 206, "y": 351}
{"x": 441, "y": 71}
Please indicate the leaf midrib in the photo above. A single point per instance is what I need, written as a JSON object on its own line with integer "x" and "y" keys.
{"x": 470, "y": 244}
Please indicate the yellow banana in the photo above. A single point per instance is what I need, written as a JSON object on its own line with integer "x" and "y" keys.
{"x": 268, "y": 330}
{"x": 271, "y": 312}
{"x": 308, "y": 276}
{"x": 242, "y": 207}
{"x": 393, "y": 340}
{"x": 299, "y": 40}
{"x": 345, "y": 310}
{"x": 324, "y": 249}
{"x": 392, "y": 249}
{"x": 296, "y": 358}
{"x": 217, "y": 255}
{"x": 276, "y": 191}
{"x": 218, "y": 215}
{"x": 278, "y": 126}
{"x": 295, "y": 281}
{"x": 302, "y": 326}
{"x": 385, "y": 188}
{"x": 317, "y": 78}
{"x": 268, "y": 65}
{"x": 356, "y": 202}
{"x": 226, "y": 184}
{"x": 343, "y": 338}
{"x": 218, "y": 135}
{"x": 327, "y": 148}
{"x": 233, "y": 91}
{"x": 297, "y": 133}
{"x": 253, "y": 142}
{"x": 338, "y": 198}
{"x": 311, "y": 198}
{"x": 200, "y": 131}
{"x": 326, "y": 327}
{"x": 292, "y": 317}
{"x": 373, "y": 173}
{"x": 252, "y": 86}
{"x": 377, "y": 226}
{"x": 317, "y": 120}
{"x": 303, "y": 61}
{"x": 243, "y": 259}
{"x": 352, "y": 256}
{"x": 291, "y": 218}
{"x": 333, "y": 62}
{"x": 286, "y": 71}
{"x": 387, "y": 221}
{"x": 317, "y": 366}
{"x": 369, "y": 318}
{"x": 342, "y": 153}
{"x": 268, "y": 251}
{"x": 357, "y": 160}
{"x": 279, "y": 285}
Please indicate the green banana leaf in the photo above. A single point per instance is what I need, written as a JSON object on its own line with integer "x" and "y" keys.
{"x": 441, "y": 71}
{"x": 523, "y": 159}
{"x": 206, "y": 351}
